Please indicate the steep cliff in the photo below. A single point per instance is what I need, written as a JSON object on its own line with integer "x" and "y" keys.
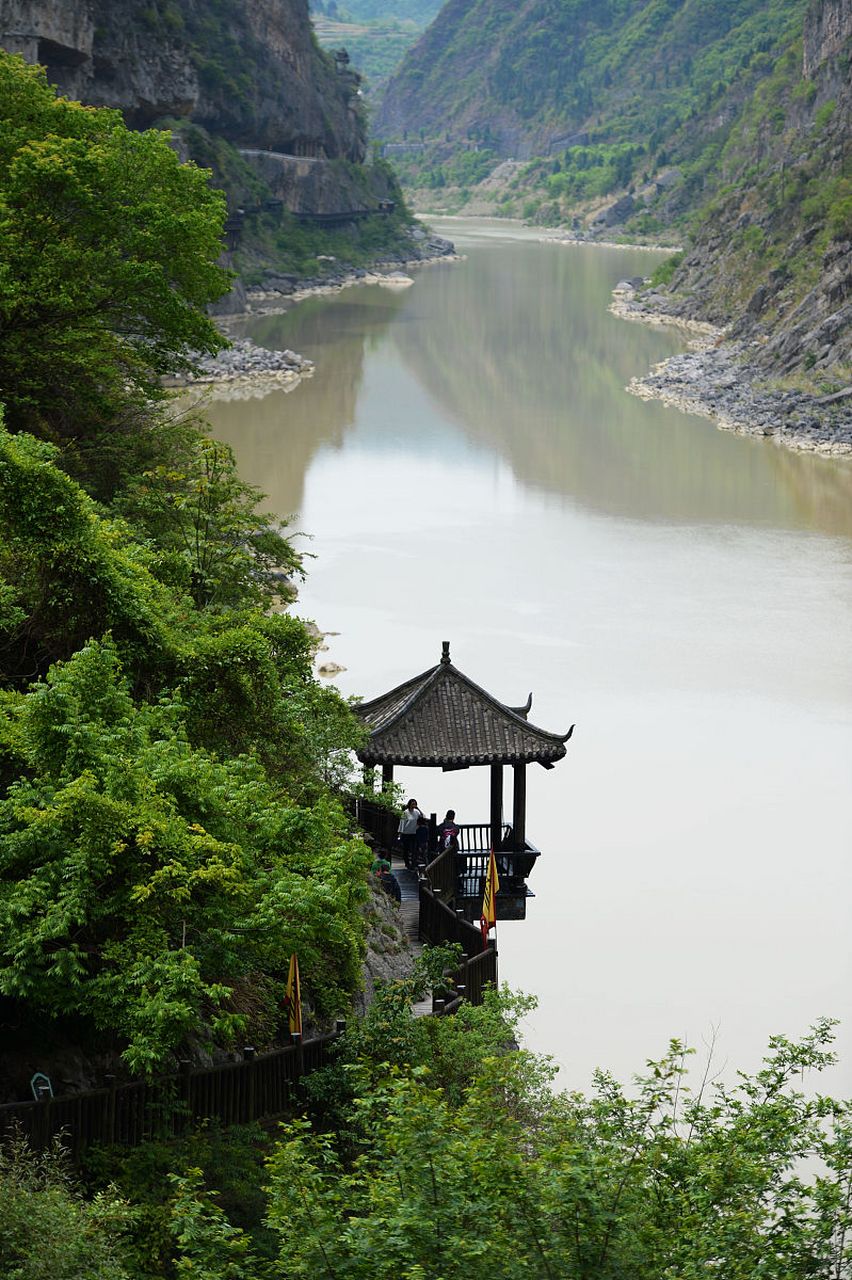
{"x": 772, "y": 251}
{"x": 246, "y": 70}
{"x": 246, "y": 92}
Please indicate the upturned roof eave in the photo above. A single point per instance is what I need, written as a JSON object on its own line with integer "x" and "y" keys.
{"x": 544, "y": 748}
{"x": 419, "y": 685}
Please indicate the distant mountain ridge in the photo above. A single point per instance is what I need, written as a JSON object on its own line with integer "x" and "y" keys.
{"x": 522, "y": 74}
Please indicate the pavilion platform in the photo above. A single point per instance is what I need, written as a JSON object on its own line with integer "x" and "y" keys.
{"x": 443, "y": 719}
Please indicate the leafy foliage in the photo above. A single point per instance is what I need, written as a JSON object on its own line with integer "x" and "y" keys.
{"x": 195, "y": 507}
{"x": 142, "y": 881}
{"x": 48, "y": 1229}
{"x": 516, "y": 1181}
{"x": 69, "y": 574}
{"x": 109, "y": 248}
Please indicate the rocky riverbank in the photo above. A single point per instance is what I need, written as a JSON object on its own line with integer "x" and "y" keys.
{"x": 719, "y": 379}
{"x": 245, "y": 370}
{"x": 247, "y": 362}
{"x": 277, "y": 290}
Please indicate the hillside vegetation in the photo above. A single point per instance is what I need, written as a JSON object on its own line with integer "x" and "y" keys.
{"x": 725, "y": 127}
{"x": 169, "y": 833}
{"x": 375, "y": 33}
{"x": 524, "y": 77}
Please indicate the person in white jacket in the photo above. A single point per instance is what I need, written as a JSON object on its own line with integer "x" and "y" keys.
{"x": 408, "y": 831}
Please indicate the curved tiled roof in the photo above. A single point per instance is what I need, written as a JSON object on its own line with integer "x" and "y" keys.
{"x": 442, "y": 718}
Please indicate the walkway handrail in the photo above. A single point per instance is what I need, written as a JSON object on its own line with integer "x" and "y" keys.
{"x": 441, "y": 874}
{"x": 256, "y": 1088}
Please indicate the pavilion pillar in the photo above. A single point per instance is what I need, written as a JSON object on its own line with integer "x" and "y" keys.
{"x": 496, "y": 806}
{"x": 519, "y": 806}
{"x": 387, "y": 776}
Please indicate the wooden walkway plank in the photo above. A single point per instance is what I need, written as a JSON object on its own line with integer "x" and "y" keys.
{"x": 409, "y": 888}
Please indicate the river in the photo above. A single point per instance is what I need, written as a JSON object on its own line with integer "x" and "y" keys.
{"x": 468, "y": 467}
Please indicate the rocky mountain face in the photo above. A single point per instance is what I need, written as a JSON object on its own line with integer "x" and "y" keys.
{"x": 772, "y": 253}
{"x": 724, "y": 126}
{"x": 246, "y": 70}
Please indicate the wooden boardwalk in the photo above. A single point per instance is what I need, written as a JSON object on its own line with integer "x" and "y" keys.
{"x": 409, "y": 907}
{"x": 410, "y": 904}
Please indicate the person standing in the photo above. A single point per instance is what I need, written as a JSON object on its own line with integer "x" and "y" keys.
{"x": 421, "y": 842}
{"x": 448, "y": 830}
{"x": 408, "y": 831}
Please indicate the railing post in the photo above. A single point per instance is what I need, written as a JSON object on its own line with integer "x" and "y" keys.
{"x": 109, "y": 1128}
{"x": 186, "y": 1088}
{"x": 41, "y": 1127}
{"x": 296, "y": 1039}
{"x": 251, "y": 1084}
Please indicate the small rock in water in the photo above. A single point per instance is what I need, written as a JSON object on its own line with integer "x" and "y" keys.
{"x": 329, "y": 669}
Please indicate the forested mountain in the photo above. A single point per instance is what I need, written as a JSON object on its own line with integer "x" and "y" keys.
{"x": 726, "y": 127}
{"x": 375, "y": 33}
{"x": 526, "y": 76}
{"x": 420, "y": 12}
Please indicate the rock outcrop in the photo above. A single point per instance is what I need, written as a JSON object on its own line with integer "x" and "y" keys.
{"x": 772, "y": 259}
{"x": 827, "y": 27}
{"x": 246, "y": 70}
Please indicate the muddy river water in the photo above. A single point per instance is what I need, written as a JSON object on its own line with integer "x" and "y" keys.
{"x": 468, "y": 467}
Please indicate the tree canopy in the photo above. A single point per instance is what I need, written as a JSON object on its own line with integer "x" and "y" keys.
{"x": 109, "y": 250}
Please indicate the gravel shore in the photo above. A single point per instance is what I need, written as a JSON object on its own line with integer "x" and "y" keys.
{"x": 244, "y": 369}
{"x": 716, "y": 380}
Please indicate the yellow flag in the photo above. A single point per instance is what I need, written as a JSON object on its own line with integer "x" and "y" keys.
{"x": 488, "y": 919}
{"x": 293, "y": 997}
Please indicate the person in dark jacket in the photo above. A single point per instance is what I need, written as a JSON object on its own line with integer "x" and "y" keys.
{"x": 448, "y": 832}
{"x": 421, "y": 838}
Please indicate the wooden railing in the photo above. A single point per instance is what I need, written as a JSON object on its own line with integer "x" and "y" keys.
{"x": 475, "y": 837}
{"x": 381, "y": 823}
{"x": 441, "y": 875}
{"x": 441, "y": 923}
{"x": 255, "y": 1088}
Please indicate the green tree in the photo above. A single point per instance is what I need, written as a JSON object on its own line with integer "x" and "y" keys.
{"x": 194, "y": 504}
{"x": 67, "y": 574}
{"x": 109, "y": 249}
{"x": 514, "y": 1180}
{"x": 48, "y": 1229}
{"x": 154, "y": 891}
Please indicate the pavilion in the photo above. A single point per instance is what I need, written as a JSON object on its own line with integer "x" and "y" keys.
{"x": 443, "y": 719}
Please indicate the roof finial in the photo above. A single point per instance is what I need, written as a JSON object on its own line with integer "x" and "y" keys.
{"x": 445, "y": 654}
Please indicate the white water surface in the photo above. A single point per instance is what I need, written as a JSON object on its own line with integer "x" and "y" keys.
{"x": 469, "y": 467}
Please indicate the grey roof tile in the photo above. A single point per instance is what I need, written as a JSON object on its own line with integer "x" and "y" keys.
{"x": 443, "y": 718}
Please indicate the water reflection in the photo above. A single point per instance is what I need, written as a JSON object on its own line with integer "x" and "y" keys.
{"x": 514, "y": 352}
{"x": 277, "y": 437}
{"x": 473, "y": 470}
{"x": 519, "y": 351}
